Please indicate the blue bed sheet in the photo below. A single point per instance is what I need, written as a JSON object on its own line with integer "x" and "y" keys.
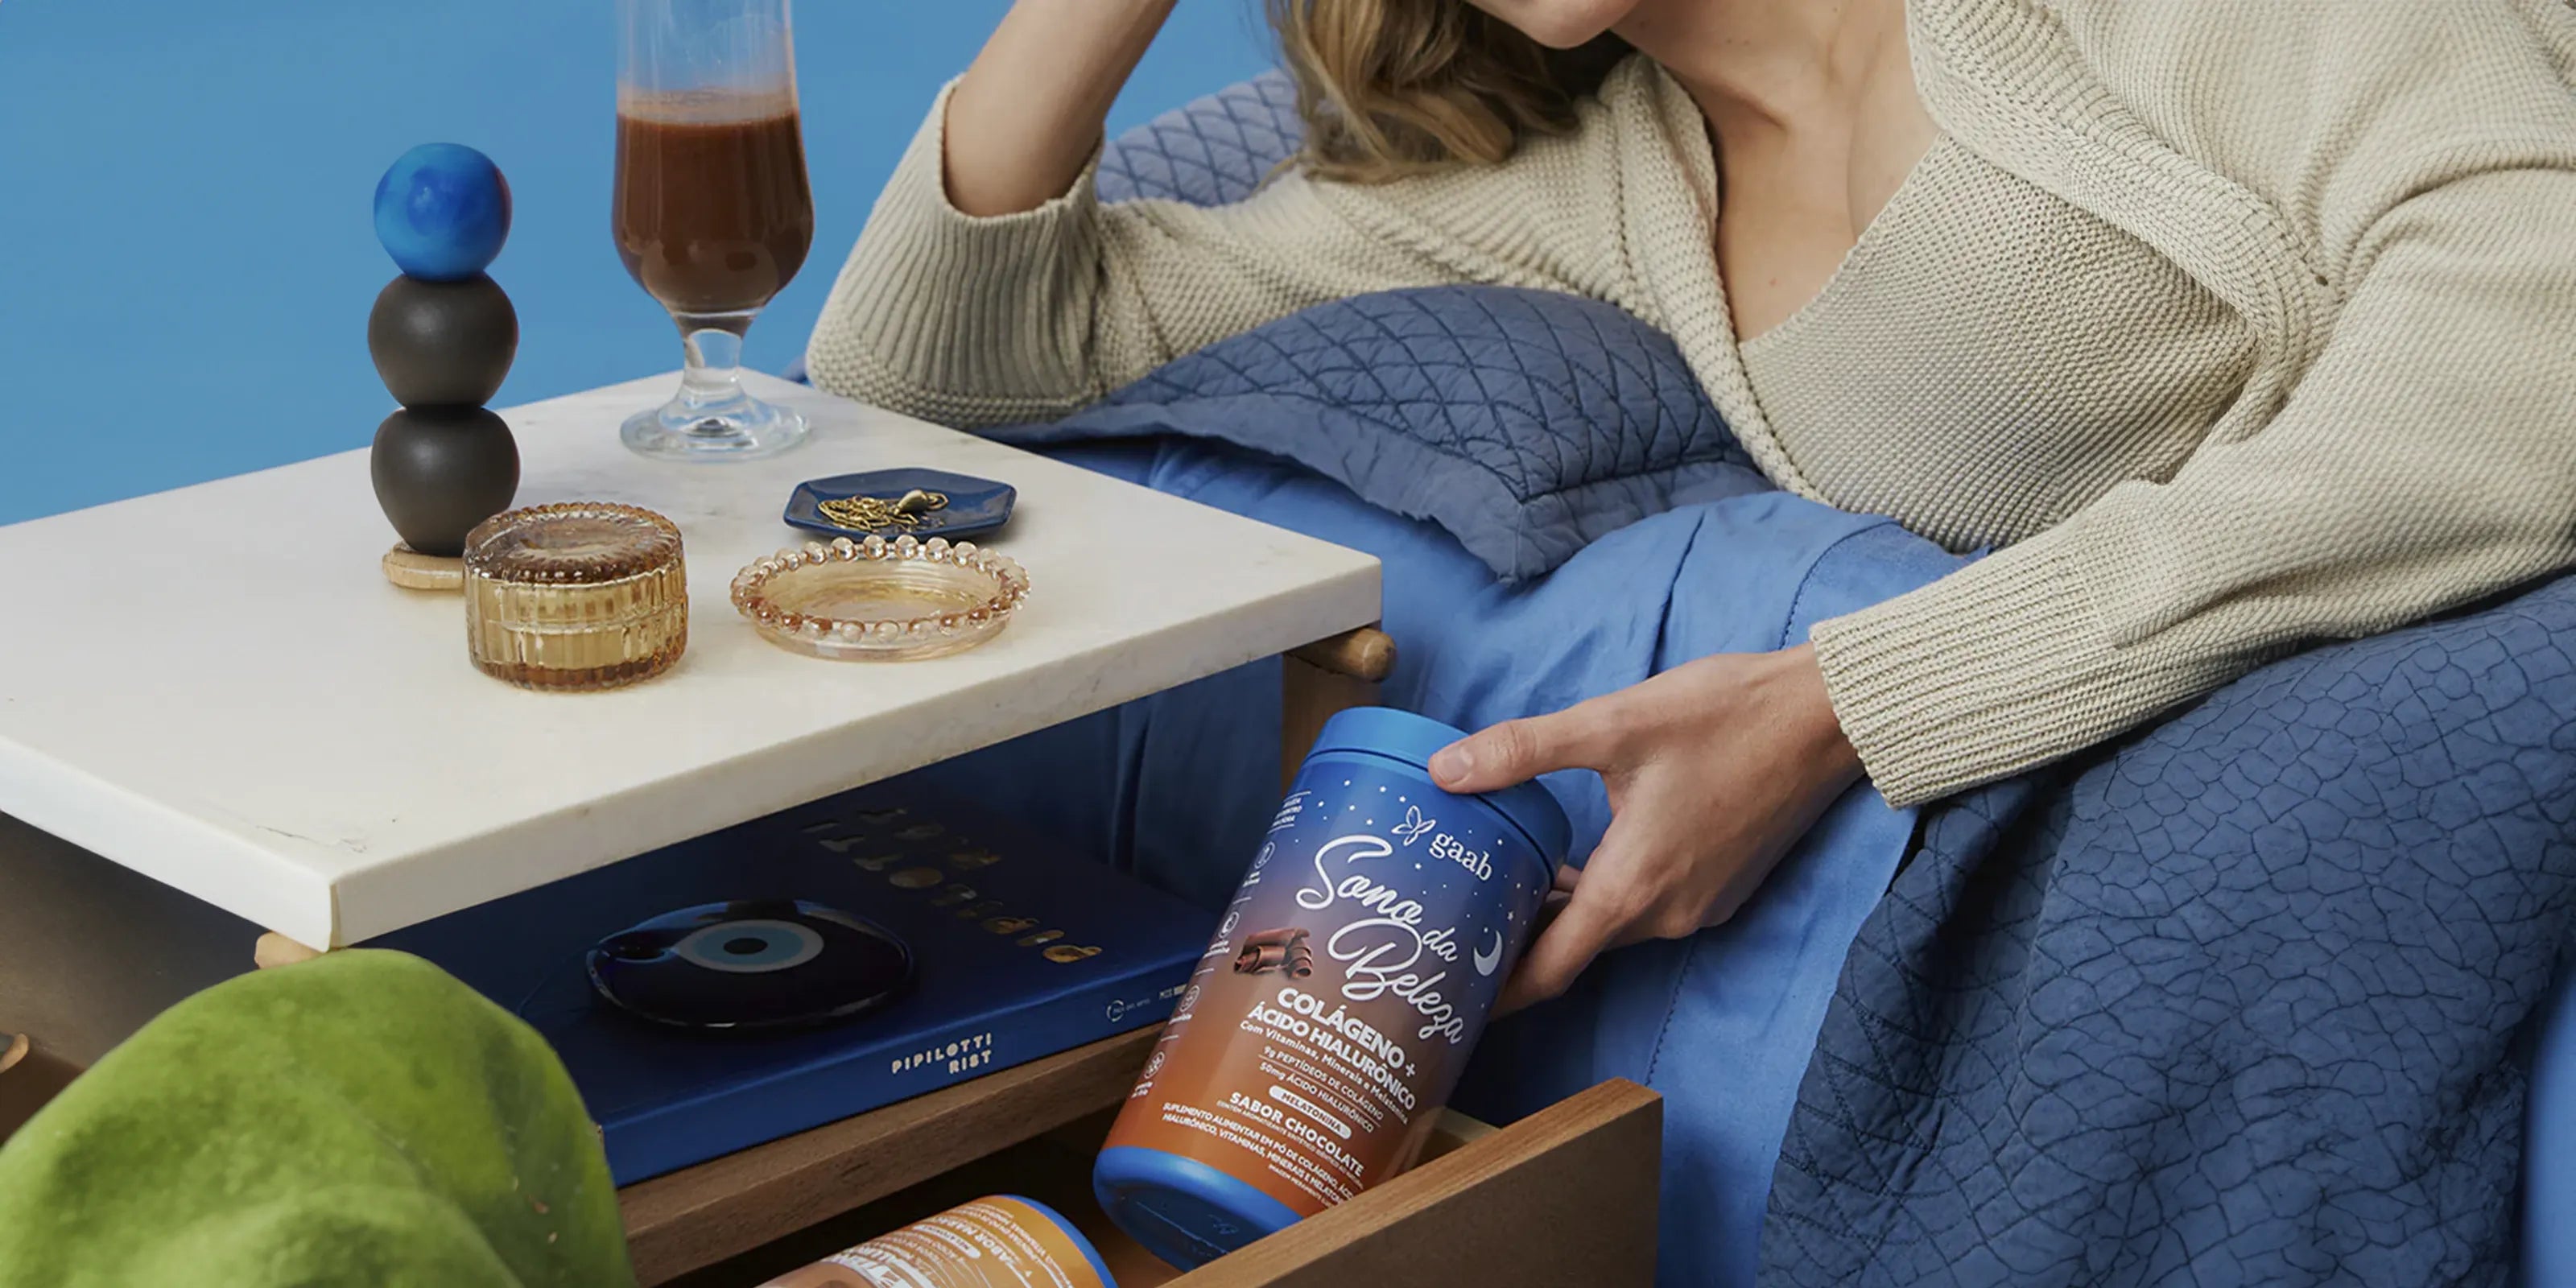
{"x": 2549, "y": 1147}
{"x": 1180, "y": 787}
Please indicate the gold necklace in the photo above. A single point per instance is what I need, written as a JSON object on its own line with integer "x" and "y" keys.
{"x": 870, "y": 513}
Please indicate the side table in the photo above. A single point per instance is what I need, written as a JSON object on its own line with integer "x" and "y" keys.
{"x": 250, "y": 713}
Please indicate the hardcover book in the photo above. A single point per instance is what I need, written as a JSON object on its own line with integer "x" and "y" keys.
{"x": 833, "y": 958}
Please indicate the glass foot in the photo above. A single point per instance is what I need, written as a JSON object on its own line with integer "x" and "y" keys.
{"x": 741, "y": 428}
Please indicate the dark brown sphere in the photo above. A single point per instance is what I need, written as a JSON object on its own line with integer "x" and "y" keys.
{"x": 443, "y": 344}
{"x": 439, "y": 471}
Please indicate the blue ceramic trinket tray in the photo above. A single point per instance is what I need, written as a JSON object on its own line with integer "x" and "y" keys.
{"x": 895, "y": 503}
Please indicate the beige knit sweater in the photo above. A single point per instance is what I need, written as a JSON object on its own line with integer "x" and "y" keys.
{"x": 2382, "y": 193}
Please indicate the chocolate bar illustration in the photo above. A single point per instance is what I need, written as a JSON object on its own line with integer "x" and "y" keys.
{"x": 1284, "y": 949}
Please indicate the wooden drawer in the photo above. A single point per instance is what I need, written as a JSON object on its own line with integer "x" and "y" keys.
{"x": 1565, "y": 1196}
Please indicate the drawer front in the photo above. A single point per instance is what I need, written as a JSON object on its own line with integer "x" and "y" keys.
{"x": 1566, "y": 1196}
{"x": 727, "y": 1206}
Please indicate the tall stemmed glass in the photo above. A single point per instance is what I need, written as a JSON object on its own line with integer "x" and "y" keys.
{"x": 713, "y": 212}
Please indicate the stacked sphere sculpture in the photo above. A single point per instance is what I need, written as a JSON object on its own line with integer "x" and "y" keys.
{"x": 442, "y": 336}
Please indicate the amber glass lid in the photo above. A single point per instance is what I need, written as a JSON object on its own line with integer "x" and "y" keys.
{"x": 573, "y": 543}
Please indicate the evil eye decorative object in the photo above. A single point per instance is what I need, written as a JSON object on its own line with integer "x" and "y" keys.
{"x": 751, "y": 965}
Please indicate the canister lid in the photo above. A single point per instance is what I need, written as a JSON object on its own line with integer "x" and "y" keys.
{"x": 571, "y": 543}
{"x": 1073, "y": 1235}
{"x": 1404, "y": 736}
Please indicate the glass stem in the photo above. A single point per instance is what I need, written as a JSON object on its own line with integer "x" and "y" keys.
{"x": 712, "y": 381}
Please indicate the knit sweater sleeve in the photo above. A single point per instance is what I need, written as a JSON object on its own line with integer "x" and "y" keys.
{"x": 2424, "y": 457}
{"x": 974, "y": 321}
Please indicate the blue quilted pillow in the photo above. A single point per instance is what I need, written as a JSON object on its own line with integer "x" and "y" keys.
{"x": 1208, "y": 151}
{"x": 1526, "y": 423}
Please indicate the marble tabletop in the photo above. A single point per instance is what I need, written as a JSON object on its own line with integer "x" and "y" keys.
{"x": 217, "y": 687}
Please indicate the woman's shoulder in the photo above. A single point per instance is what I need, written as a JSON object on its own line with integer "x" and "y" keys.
{"x": 2171, "y": 51}
{"x": 2315, "y": 43}
{"x": 2297, "y": 100}
{"x": 2197, "y": 67}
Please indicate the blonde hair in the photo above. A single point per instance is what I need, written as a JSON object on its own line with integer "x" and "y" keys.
{"x": 1394, "y": 87}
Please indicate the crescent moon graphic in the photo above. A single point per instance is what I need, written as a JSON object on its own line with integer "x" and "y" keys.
{"x": 1487, "y": 961}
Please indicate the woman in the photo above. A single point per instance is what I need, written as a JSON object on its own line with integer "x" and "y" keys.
{"x": 2230, "y": 326}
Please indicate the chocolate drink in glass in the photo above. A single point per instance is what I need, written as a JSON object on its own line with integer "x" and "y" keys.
{"x": 713, "y": 212}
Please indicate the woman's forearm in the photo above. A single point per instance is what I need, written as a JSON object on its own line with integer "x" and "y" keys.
{"x": 1031, "y": 108}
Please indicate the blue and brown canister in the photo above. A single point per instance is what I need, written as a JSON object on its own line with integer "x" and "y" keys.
{"x": 1336, "y": 1005}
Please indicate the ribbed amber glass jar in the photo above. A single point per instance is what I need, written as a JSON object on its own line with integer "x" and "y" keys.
{"x": 577, "y": 596}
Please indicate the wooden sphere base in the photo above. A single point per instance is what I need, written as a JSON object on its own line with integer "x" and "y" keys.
{"x": 412, "y": 570}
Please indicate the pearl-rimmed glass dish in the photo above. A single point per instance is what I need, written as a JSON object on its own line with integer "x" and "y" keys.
{"x": 880, "y": 600}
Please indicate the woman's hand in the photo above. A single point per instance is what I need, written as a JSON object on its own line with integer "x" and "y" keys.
{"x": 1715, "y": 769}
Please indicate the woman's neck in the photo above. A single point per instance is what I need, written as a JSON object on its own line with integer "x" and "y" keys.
{"x": 1768, "y": 62}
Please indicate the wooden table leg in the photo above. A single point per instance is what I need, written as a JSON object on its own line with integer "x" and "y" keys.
{"x": 274, "y": 949}
{"x": 1325, "y": 677}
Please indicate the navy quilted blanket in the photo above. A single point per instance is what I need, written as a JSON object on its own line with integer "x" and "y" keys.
{"x": 2245, "y": 997}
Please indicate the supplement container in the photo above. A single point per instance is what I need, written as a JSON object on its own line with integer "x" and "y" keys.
{"x": 1309, "y": 1057}
{"x": 999, "y": 1242}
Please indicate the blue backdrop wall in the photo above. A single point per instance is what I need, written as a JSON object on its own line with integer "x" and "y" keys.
{"x": 186, "y": 262}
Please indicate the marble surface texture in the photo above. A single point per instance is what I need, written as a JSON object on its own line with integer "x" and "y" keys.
{"x": 217, "y": 688}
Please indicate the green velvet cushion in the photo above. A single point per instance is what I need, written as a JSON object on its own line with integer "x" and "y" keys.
{"x": 359, "y": 1119}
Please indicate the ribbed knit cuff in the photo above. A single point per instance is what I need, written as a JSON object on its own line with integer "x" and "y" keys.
{"x": 961, "y": 307}
{"x": 1999, "y": 666}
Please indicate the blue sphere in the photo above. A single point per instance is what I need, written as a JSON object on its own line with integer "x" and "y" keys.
{"x": 442, "y": 212}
